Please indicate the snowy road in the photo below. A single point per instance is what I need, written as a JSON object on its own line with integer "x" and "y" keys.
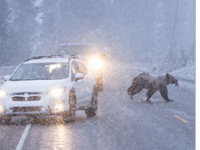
{"x": 121, "y": 123}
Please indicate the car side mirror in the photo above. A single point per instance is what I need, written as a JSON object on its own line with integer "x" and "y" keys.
{"x": 79, "y": 76}
{"x": 6, "y": 78}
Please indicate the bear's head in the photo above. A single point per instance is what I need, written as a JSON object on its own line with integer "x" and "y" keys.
{"x": 171, "y": 79}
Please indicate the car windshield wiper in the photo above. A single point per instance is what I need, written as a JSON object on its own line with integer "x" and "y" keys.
{"x": 26, "y": 79}
{"x": 33, "y": 79}
{"x": 43, "y": 79}
{"x": 49, "y": 78}
{"x": 15, "y": 79}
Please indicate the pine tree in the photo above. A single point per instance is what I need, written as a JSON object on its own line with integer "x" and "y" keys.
{"x": 22, "y": 29}
{"x": 4, "y": 13}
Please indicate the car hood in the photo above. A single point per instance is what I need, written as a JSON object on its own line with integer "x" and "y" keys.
{"x": 32, "y": 86}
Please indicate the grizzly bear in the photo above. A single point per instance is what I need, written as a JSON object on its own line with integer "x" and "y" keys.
{"x": 152, "y": 83}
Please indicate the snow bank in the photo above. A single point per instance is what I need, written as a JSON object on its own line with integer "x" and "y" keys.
{"x": 187, "y": 72}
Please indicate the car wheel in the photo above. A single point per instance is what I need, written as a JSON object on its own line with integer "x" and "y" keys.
{"x": 90, "y": 112}
{"x": 70, "y": 116}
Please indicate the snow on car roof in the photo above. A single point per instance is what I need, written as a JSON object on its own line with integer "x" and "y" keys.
{"x": 45, "y": 60}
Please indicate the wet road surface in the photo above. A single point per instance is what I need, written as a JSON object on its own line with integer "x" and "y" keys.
{"x": 121, "y": 123}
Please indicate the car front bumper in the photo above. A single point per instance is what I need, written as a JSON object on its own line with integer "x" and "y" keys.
{"x": 45, "y": 106}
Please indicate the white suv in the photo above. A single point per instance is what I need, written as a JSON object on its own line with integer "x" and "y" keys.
{"x": 49, "y": 85}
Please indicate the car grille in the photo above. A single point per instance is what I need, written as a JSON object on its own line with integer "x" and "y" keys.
{"x": 28, "y": 96}
{"x": 18, "y": 98}
{"x": 26, "y": 109}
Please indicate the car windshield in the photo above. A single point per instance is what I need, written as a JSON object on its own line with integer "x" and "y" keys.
{"x": 41, "y": 71}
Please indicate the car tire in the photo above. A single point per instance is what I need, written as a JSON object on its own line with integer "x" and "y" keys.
{"x": 70, "y": 116}
{"x": 90, "y": 112}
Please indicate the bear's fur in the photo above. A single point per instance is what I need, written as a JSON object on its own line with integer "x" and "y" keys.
{"x": 152, "y": 83}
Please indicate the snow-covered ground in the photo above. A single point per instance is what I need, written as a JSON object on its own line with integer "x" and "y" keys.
{"x": 184, "y": 73}
{"x": 187, "y": 72}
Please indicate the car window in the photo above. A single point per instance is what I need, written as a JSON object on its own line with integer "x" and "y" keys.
{"x": 82, "y": 68}
{"x": 41, "y": 71}
{"x": 74, "y": 69}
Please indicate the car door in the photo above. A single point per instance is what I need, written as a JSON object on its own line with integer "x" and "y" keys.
{"x": 78, "y": 85}
{"x": 88, "y": 81}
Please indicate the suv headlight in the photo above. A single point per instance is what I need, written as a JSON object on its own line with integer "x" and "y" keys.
{"x": 95, "y": 63}
{"x": 3, "y": 93}
{"x": 57, "y": 92}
